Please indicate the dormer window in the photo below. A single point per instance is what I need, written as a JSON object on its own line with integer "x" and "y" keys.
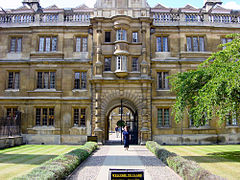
{"x": 121, "y": 35}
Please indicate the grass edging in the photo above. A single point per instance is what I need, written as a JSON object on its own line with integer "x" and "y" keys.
{"x": 61, "y": 166}
{"x": 185, "y": 168}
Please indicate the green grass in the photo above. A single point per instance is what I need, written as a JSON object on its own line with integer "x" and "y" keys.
{"x": 222, "y": 160}
{"x": 20, "y": 160}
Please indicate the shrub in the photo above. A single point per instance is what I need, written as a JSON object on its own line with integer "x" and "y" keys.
{"x": 185, "y": 168}
{"x": 61, "y": 166}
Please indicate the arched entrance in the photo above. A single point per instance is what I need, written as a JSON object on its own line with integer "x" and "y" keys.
{"x": 128, "y": 114}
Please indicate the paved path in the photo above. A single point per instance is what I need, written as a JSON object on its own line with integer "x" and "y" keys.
{"x": 97, "y": 166}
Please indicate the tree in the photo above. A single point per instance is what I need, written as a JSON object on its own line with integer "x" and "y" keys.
{"x": 213, "y": 89}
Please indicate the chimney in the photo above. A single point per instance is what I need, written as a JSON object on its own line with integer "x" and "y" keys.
{"x": 34, "y": 4}
{"x": 209, "y": 4}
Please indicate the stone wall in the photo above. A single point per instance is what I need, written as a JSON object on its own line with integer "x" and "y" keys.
{"x": 6, "y": 142}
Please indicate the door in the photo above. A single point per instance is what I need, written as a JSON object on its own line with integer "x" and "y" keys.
{"x": 133, "y": 128}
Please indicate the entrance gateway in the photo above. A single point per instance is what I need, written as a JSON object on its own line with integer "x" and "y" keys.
{"x": 120, "y": 116}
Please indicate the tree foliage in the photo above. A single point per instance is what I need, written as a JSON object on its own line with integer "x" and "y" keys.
{"x": 213, "y": 89}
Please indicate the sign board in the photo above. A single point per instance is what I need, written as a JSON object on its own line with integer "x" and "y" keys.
{"x": 126, "y": 174}
{"x": 92, "y": 138}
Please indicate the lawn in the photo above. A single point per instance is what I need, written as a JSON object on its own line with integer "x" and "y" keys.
{"x": 22, "y": 159}
{"x": 222, "y": 160}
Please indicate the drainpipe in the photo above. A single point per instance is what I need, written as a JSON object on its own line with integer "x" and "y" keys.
{"x": 91, "y": 87}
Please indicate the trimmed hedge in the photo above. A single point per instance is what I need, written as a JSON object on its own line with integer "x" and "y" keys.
{"x": 185, "y": 168}
{"x": 61, "y": 166}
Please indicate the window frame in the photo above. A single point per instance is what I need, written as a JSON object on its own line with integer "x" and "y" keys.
{"x": 191, "y": 48}
{"x": 11, "y": 118}
{"x": 105, "y": 38}
{"x": 108, "y": 68}
{"x": 50, "y": 121}
{"x": 122, "y": 64}
{"x": 13, "y": 81}
{"x": 162, "y": 44}
{"x": 43, "y": 80}
{"x": 16, "y": 49}
{"x": 80, "y": 84}
{"x": 206, "y": 125}
{"x": 137, "y": 37}
{"x": 163, "y": 125}
{"x": 226, "y": 41}
{"x": 81, "y": 122}
{"x": 44, "y": 43}
{"x": 133, "y": 64}
{"x": 163, "y": 80}
{"x": 81, "y": 49}
{"x": 230, "y": 118}
{"x": 121, "y": 35}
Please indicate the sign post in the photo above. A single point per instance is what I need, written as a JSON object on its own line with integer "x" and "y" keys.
{"x": 128, "y": 174}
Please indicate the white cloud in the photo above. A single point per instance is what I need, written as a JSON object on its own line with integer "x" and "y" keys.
{"x": 231, "y": 5}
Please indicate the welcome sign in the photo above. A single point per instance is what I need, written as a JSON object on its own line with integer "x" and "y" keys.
{"x": 126, "y": 174}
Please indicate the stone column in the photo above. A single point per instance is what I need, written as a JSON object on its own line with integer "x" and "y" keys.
{"x": 145, "y": 130}
{"x": 98, "y": 65}
{"x": 98, "y": 130}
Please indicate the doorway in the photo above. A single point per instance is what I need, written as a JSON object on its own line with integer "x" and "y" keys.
{"x": 115, "y": 125}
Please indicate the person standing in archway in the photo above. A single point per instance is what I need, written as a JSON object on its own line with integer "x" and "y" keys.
{"x": 126, "y": 138}
{"x": 117, "y": 132}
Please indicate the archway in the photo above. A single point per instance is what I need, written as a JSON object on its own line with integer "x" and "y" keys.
{"x": 129, "y": 115}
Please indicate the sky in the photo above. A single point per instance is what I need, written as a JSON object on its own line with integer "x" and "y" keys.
{"x": 12, "y": 4}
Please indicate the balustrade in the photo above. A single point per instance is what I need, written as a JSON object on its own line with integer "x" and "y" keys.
{"x": 218, "y": 18}
{"x": 193, "y": 17}
{"x": 78, "y": 17}
{"x": 46, "y": 18}
{"x": 165, "y": 17}
{"x": 19, "y": 18}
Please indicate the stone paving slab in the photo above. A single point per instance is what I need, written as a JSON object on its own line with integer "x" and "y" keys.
{"x": 97, "y": 166}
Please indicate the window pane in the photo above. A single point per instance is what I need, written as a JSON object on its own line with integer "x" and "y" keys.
{"x": 107, "y": 64}
{"x": 160, "y": 80}
{"x": 189, "y": 44}
{"x": 54, "y": 44}
{"x": 46, "y": 80}
{"x": 135, "y": 36}
{"x": 78, "y": 44}
{"x": 166, "y": 118}
{"x": 10, "y": 80}
{"x": 160, "y": 118}
{"x": 38, "y": 117}
{"x": 124, "y": 63}
{"x": 16, "y": 83}
{"x": 84, "y": 44}
{"x": 84, "y": 80}
{"x": 19, "y": 45}
{"x": 41, "y": 44}
{"x": 39, "y": 80}
{"x": 76, "y": 117}
{"x": 107, "y": 36}
{"x": 119, "y": 63}
{"x": 195, "y": 44}
{"x": 124, "y": 35}
{"x": 165, "y": 75}
{"x": 52, "y": 80}
{"x": 48, "y": 44}
{"x": 83, "y": 117}
{"x": 201, "y": 43}
{"x": 165, "y": 44}
{"x": 45, "y": 116}
{"x": 51, "y": 117}
{"x": 224, "y": 40}
{"x": 77, "y": 80}
{"x": 159, "y": 46}
{"x": 134, "y": 64}
{"x": 13, "y": 45}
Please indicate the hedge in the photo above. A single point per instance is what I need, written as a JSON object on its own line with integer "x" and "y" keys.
{"x": 61, "y": 166}
{"x": 185, "y": 168}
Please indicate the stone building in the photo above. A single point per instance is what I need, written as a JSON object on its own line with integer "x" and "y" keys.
{"x": 65, "y": 70}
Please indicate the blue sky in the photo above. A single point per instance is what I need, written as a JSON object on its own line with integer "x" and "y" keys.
{"x": 232, "y": 4}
